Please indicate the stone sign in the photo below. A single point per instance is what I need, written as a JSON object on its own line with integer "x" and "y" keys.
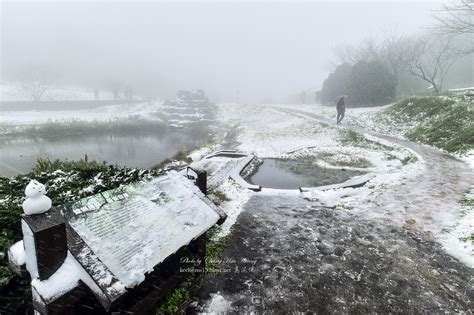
{"x": 133, "y": 228}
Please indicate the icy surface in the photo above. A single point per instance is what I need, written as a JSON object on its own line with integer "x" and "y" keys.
{"x": 16, "y": 254}
{"x": 131, "y": 235}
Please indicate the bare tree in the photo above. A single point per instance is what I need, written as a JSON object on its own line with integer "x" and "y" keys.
{"x": 35, "y": 81}
{"x": 456, "y": 17}
{"x": 430, "y": 58}
{"x": 366, "y": 50}
{"x": 394, "y": 53}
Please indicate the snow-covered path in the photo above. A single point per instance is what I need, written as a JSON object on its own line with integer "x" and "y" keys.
{"x": 389, "y": 248}
{"x": 429, "y": 201}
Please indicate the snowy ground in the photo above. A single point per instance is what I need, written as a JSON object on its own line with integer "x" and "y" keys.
{"x": 145, "y": 110}
{"x": 12, "y": 91}
{"x": 416, "y": 190}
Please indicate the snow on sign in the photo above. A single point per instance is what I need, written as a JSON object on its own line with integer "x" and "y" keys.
{"x": 135, "y": 227}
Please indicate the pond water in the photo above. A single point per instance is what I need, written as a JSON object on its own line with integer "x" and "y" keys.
{"x": 293, "y": 174}
{"x": 20, "y": 154}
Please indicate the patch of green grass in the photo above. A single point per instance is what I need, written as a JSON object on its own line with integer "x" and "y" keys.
{"x": 353, "y": 138}
{"x": 215, "y": 248}
{"x": 177, "y": 300}
{"x": 357, "y": 162}
{"x": 348, "y": 136}
{"x": 446, "y": 122}
{"x": 391, "y": 157}
{"x": 176, "y": 162}
{"x": 409, "y": 159}
{"x": 325, "y": 156}
{"x": 467, "y": 238}
{"x": 218, "y": 196}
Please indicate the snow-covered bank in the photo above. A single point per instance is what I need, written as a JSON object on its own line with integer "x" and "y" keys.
{"x": 145, "y": 110}
{"x": 13, "y": 91}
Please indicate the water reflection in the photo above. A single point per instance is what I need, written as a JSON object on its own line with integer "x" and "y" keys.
{"x": 292, "y": 174}
{"x": 20, "y": 154}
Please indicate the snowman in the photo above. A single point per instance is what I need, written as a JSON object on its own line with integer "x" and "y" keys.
{"x": 36, "y": 202}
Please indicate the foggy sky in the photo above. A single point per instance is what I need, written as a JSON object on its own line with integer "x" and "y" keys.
{"x": 266, "y": 50}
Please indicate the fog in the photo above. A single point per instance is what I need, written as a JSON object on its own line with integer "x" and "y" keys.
{"x": 260, "y": 51}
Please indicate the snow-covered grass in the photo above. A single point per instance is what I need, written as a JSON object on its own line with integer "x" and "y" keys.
{"x": 13, "y": 91}
{"x": 145, "y": 110}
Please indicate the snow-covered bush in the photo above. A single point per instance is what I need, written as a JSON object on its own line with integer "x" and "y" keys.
{"x": 65, "y": 181}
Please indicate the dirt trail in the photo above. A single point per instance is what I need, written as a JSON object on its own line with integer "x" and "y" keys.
{"x": 306, "y": 257}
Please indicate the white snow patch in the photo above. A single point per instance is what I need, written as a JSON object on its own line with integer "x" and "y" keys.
{"x": 64, "y": 279}
{"x": 239, "y": 197}
{"x": 110, "y": 113}
{"x": 30, "y": 251}
{"x": 218, "y": 304}
{"x": 16, "y": 254}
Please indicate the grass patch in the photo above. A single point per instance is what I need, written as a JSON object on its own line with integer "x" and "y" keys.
{"x": 218, "y": 197}
{"x": 350, "y": 137}
{"x": 357, "y": 162}
{"x": 446, "y": 122}
{"x": 178, "y": 299}
{"x": 409, "y": 159}
{"x": 176, "y": 162}
{"x": 467, "y": 238}
{"x": 332, "y": 158}
{"x": 356, "y": 139}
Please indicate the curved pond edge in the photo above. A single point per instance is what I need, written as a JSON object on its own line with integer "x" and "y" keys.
{"x": 354, "y": 182}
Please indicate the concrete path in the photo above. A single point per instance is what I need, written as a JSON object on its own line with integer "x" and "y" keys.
{"x": 288, "y": 254}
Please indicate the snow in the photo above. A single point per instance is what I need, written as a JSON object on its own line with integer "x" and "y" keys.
{"x": 153, "y": 231}
{"x": 218, "y": 304}
{"x": 36, "y": 202}
{"x": 421, "y": 190}
{"x": 239, "y": 196}
{"x": 469, "y": 158}
{"x": 12, "y": 91}
{"x": 64, "y": 279}
{"x": 16, "y": 254}
{"x": 30, "y": 251}
{"x": 110, "y": 113}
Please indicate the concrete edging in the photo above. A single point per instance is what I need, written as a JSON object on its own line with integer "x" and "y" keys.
{"x": 354, "y": 182}
{"x": 235, "y": 174}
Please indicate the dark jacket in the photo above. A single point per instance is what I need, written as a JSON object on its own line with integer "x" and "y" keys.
{"x": 341, "y": 105}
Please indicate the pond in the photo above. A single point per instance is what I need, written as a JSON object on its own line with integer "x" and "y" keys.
{"x": 19, "y": 155}
{"x": 296, "y": 173}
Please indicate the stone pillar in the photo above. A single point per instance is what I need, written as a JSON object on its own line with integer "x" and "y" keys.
{"x": 45, "y": 241}
{"x": 200, "y": 179}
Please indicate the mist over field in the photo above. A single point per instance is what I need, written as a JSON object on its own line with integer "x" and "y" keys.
{"x": 215, "y": 157}
{"x": 262, "y": 51}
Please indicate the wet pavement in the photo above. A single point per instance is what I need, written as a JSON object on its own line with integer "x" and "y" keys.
{"x": 309, "y": 258}
{"x": 289, "y": 254}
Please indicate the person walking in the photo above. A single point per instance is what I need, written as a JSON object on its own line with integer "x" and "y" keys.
{"x": 341, "y": 109}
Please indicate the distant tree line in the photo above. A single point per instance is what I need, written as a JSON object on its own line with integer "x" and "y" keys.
{"x": 365, "y": 83}
{"x": 374, "y": 72}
